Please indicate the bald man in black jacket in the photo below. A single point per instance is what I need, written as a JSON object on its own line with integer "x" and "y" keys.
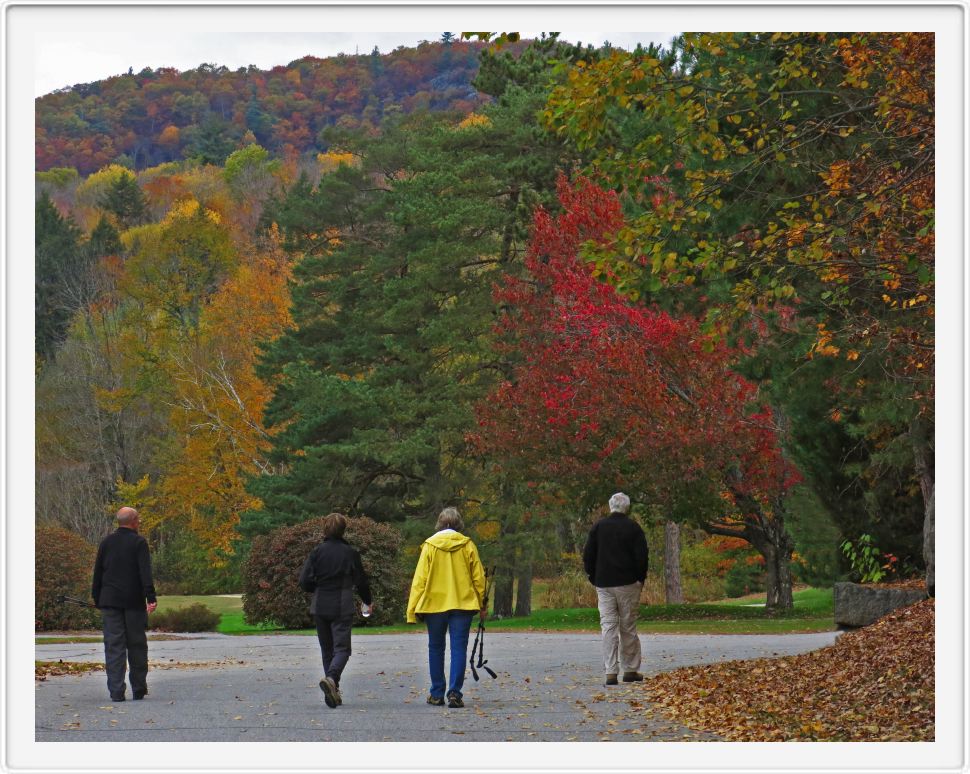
{"x": 123, "y": 589}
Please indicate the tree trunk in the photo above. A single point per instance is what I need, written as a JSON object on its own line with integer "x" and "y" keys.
{"x": 502, "y": 592}
{"x": 777, "y": 554}
{"x": 523, "y": 594}
{"x": 922, "y": 455}
{"x": 770, "y": 539}
{"x": 672, "y": 588}
{"x": 784, "y": 590}
{"x": 772, "y": 594}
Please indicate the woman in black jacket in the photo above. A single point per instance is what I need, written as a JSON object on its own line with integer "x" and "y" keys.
{"x": 331, "y": 573}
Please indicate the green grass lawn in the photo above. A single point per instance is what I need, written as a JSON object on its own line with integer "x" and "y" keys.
{"x": 813, "y": 612}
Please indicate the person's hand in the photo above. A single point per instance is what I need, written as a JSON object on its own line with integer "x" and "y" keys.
{"x": 483, "y": 613}
{"x": 150, "y": 607}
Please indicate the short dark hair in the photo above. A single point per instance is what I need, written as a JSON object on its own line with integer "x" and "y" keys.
{"x": 334, "y": 525}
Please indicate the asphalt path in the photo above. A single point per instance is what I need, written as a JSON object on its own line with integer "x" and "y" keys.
{"x": 215, "y": 688}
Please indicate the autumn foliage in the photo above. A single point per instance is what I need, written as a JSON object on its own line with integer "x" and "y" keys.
{"x": 874, "y": 684}
{"x": 607, "y": 394}
{"x": 160, "y": 115}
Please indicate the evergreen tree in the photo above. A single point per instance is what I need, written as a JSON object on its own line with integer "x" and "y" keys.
{"x": 393, "y": 311}
{"x": 125, "y": 200}
{"x": 211, "y": 142}
{"x": 103, "y": 241}
{"x": 56, "y": 259}
{"x": 259, "y": 122}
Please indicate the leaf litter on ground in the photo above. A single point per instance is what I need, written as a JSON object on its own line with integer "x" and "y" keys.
{"x": 874, "y": 684}
{"x": 45, "y": 669}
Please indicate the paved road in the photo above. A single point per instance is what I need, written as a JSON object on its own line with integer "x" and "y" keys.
{"x": 216, "y": 688}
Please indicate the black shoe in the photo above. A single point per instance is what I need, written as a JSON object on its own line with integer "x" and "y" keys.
{"x": 454, "y": 700}
{"x": 611, "y": 680}
{"x": 119, "y": 697}
{"x": 436, "y": 701}
{"x": 329, "y": 688}
{"x": 632, "y": 677}
{"x": 139, "y": 695}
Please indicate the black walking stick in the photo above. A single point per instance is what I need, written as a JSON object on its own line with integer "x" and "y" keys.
{"x": 479, "y": 644}
{"x": 75, "y": 601}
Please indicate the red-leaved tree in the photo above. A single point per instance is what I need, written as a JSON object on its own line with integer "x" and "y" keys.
{"x": 607, "y": 395}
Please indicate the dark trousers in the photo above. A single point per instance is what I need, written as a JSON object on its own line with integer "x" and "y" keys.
{"x": 334, "y": 636}
{"x": 125, "y": 641}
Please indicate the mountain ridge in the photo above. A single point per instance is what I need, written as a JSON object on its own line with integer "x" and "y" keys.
{"x": 154, "y": 116}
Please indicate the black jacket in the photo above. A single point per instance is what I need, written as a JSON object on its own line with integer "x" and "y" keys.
{"x": 616, "y": 552}
{"x": 123, "y": 571}
{"x": 332, "y": 570}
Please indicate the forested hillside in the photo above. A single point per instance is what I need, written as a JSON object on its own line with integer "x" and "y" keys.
{"x": 154, "y": 116}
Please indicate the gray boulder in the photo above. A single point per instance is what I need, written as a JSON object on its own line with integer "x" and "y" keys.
{"x": 857, "y": 605}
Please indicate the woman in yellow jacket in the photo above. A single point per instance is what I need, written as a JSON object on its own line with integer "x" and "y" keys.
{"x": 447, "y": 590}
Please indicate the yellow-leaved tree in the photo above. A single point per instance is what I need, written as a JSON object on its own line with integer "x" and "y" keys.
{"x": 217, "y": 401}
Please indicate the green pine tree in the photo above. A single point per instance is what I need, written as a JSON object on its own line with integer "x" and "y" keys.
{"x": 125, "y": 200}
{"x": 56, "y": 259}
{"x": 391, "y": 345}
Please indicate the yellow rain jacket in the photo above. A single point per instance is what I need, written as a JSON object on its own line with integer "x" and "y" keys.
{"x": 449, "y": 576}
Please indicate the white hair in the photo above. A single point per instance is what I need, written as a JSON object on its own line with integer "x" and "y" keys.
{"x": 619, "y": 503}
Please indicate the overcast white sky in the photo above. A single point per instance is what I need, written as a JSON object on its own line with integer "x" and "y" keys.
{"x": 63, "y": 58}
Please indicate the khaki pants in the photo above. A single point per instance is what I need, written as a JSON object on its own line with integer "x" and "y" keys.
{"x": 619, "y": 607}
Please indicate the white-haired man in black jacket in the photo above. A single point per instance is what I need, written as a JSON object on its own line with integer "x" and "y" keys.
{"x": 615, "y": 559}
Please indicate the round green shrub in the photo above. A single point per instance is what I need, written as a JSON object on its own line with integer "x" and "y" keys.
{"x": 63, "y": 565}
{"x": 271, "y": 594}
{"x": 193, "y": 618}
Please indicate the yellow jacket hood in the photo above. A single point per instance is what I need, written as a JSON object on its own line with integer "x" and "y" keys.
{"x": 448, "y": 540}
{"x": 449, "y": 576}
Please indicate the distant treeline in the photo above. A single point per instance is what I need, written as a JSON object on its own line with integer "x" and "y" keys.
{"x": 154, "y": 116}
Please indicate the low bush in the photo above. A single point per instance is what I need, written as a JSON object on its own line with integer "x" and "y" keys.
{"x": 193, "y": 618}
{"x": 271, "y": 594}
{"x": 63, "y": 565}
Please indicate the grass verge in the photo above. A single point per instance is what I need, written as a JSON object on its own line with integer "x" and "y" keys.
{"x": 812, "y": 613}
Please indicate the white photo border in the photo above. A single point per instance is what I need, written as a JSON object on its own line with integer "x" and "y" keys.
{"x": 24, "y": 23}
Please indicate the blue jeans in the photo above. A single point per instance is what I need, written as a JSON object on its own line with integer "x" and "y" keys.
{"x": 457, "y": 623}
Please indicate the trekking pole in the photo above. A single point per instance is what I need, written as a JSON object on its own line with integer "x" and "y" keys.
{"x": 63, "y": 598}
{"x": 482, "y": 661}
{"x": 479, "y": 644}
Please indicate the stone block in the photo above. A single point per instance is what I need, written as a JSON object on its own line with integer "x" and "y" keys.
{"x": 859, "y": 605}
